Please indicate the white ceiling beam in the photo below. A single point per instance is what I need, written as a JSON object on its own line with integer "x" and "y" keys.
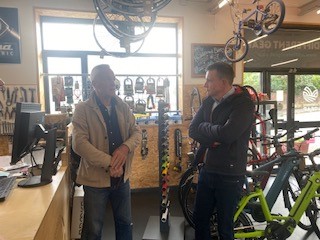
{"x": 311, "y": 6}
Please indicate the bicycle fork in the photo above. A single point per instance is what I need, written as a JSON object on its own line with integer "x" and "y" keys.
{"x": 303, "y": 201}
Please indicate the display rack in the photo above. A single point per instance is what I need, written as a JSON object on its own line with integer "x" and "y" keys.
{"x": 135, "y": 89}
{"x": 164, "y": 164}
{"x": 164, "y": 226}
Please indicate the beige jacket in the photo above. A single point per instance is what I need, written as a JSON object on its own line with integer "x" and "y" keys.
{"x": 90, "y": 141}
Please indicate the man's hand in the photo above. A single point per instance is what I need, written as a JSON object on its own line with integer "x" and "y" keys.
{"x": 116, "y": 172}
{"x": 119, "y": 157}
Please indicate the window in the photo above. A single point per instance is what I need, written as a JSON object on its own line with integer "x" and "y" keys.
{"x": 253, "y": 79}
{"x": 70, "y": 51}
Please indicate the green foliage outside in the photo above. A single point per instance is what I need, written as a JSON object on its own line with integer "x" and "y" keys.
{"x": 279, "y": 81}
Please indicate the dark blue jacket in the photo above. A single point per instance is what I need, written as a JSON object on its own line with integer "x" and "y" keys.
{"x": 224, "y": 132}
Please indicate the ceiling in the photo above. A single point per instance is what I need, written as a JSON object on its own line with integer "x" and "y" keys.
{"x": 305, "y": 6}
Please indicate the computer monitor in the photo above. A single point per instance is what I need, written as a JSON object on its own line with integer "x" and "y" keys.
{"x": 27, "y": 117}
{"x": 28, "y": 131}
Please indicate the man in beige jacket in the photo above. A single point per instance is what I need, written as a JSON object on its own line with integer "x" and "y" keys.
{"x": 105, "y": 135}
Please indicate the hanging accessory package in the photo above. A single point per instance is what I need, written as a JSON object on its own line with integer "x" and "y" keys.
{"x": 144, "y": 141}
{"x": 140, "y": 106}
{"x": 130, "y": 101}
{"x": 160, "y": 87}
{"x": 151, "y": 86}
{"x": 150, "y": 102}
{"x": 128, "y": 87}
{"x": 139, "y": 85}
{"x": 178, "y": 149}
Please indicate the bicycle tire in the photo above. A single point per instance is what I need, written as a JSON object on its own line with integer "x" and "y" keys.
{"x": 291, "y": 193}
{"x": 187, "y": 193}
{"x": 253, "y": 91}
{"x": 245, "y": 222}
{"x": 183, "y": 181}
{"x": 273, "y": 20}
{"x": 242, "y": 224}
{"x": 236, "y": 49}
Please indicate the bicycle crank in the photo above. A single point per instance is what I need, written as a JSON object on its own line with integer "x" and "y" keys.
{"x": 278, "y": 231}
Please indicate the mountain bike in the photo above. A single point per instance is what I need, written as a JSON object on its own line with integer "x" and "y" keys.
{"x": 262, "y": 20}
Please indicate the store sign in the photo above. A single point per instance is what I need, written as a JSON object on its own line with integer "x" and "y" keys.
{"x": 269, "y": 50}
{"x": 9, "y": 36}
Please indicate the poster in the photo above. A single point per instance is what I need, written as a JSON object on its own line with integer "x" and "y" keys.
{"x": 9, "y": 36}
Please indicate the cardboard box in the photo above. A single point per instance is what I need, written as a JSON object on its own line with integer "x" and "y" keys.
{"x": 77, "y": 213}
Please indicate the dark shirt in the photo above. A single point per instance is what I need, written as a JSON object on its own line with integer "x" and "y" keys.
{"x": 113, "y": 131}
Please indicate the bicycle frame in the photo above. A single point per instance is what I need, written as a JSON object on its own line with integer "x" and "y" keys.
{"x": 241, "y": 22}
{"x": 301, "y": 204}
{"x": 289, "y": 162}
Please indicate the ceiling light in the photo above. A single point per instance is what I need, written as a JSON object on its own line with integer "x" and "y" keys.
{"x": 301, "y": 44}
{"x": 318, "y": 12}
{"x": 286, "y": 62}
{"x": 247, "y": 61}
{"x": 224, "y": 2}
{"x": 258, "y": 38}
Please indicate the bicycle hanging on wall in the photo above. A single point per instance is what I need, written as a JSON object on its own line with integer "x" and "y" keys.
{"x": 262, "y": 20}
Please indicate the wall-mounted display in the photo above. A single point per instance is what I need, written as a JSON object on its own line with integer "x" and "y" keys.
{"x": 9, "y": 36}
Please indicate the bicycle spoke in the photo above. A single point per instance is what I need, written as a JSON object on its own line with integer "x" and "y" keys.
{"x": 236, "y": 49}
{"x": 273, "y": 18}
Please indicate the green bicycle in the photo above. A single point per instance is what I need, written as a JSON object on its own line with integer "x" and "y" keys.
{"x": 281, "y": 227}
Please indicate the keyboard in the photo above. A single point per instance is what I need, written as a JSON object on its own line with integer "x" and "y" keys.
{"x": 6, "y": 185}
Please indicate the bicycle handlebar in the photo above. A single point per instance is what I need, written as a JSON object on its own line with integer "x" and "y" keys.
{"x": 306, "y": 136}
{"x": 276, "y": 138}
{"x": 311, "y": 158}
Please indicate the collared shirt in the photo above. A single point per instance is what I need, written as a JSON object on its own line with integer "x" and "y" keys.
{"x": 217, "y": 102}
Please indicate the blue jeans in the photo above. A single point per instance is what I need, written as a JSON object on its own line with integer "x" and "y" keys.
{"x": 95, "y": 203}
{"x": 220, "y": 193}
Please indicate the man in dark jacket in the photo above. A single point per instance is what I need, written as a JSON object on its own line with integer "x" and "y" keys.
{"x": 222, "y": 127}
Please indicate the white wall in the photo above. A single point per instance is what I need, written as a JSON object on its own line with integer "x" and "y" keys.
{"x": 199, "y": 27}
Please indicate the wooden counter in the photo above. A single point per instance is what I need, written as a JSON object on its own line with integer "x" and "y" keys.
{"x": 39, "y": 212}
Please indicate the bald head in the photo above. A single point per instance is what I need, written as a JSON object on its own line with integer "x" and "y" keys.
{"x": 102, "y": 78}
{"x": 100, "y": 71}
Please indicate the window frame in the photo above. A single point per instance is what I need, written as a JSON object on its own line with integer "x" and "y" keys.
{"x": 85, "y": 17}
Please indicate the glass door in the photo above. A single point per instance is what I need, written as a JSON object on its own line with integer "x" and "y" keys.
{"x": 307, "y": 108}
{"x": 307, "y": 99}
{"x": 298, "y": 103}
{"x": 279, "y": 93}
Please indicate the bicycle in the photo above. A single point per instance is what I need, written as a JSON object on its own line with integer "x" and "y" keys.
{"x": 289, "y": 166}
{"x": 278, "y": 226}
{"x": 262, "y": 20}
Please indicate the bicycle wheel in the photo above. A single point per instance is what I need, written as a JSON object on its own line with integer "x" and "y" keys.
{"x": 236, "y": 49}
{"x": 293, "y": 189}
{"x": 275, "y": 11}
{"x": 243, "y": 224}
{"x": 254, "y": 96}
{"x": 188, "y": 190}
{"x": 184, "y": 181}
{"x": 188, "y": 196}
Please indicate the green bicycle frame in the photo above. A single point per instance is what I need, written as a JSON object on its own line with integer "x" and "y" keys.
{"x": 301, "y": 204}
